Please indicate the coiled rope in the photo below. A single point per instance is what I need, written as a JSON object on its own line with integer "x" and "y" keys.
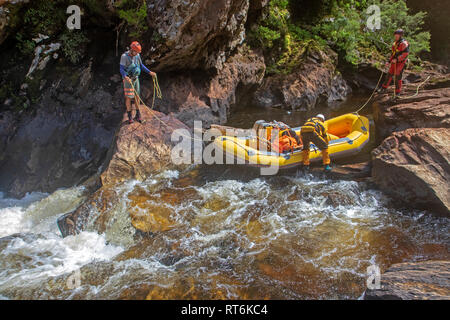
{"x": 156, "y": 91}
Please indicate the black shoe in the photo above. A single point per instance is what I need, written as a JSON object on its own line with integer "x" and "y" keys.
{"x": 130, "y": 118}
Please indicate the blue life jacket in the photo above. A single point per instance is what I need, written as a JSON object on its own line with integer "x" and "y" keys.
{"x": 134, "y": 68}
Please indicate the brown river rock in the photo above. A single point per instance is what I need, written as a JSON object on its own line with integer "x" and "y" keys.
{"x": 427, "y": 280}
{"x": 413, "y": 166}
{"x": 429, "y": 109}
{"x": 412, "y": 162}
{"x": 138, "y": 150}
{"x": 315, "y": 80}
{"x": 141, "y": 149}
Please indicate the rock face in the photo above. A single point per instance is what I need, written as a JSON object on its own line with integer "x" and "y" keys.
{"x": 62, "y": 144}
{"x": 196, "y": 34}
{"x": 7, "y": 130}
{"x": 314, "y": 81}
{"x": 141, "y": 149}
{"x": 67, "y": 138}
{"x": 6, "y": 18}
{"x": 429, "y": 109}
{"x": 138, "y": 150}
{"x": 412, "y": 162}
{"x": 413, "y": 166}
{"x": 209, "y": 98}
{"x": 427, "y": 280}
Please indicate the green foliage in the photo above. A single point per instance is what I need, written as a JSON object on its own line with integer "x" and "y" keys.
{"x": 394, "y": 15}
{"x": 282, "y": 41}
{"x": 340, "y": 24}
{"x": 24, "y": 45}
{"x": 45, "y": 17}
{"x": 134, "y": 13}
{"x": 73, "y": 42}
{"x": 346, "y": 30}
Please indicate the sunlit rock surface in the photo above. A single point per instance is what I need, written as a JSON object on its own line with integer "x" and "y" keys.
{"x": 427, "y": 280}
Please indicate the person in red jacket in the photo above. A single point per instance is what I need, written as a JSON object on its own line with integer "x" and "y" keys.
{"x": 397, "y": 62}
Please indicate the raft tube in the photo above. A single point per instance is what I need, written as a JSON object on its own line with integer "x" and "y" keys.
{"x": 348, "y": 133}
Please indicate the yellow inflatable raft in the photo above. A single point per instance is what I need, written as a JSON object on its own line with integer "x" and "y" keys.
{"x": 348, "y": 134}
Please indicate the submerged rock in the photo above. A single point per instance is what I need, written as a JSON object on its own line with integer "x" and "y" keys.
{"x": 413, "y": 167}
{"x": 427, "y": 280}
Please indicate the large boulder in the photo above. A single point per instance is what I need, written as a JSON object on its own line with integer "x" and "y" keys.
{"x": 138, "y": 150}
{"x": 426, "y": 280}
{"x": 428, "y": 109}
{"x": 195, "y": 34}
{"x": 423, "y": 103}
{"x": 315, "y": 80}
{"x": 413, "y": 167}
{"x": 141, "y": 149}
{"x": 210, "y": 97}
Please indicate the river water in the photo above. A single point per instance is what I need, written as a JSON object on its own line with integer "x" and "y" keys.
{"x": 219, "y": 232}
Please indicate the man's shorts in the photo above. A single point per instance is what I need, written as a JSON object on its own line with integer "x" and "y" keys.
{"x": 128, "y": 88}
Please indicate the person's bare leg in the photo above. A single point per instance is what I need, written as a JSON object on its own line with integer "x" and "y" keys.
{"x": 128, "y": 104}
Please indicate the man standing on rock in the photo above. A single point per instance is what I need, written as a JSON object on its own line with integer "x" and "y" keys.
{"x": 397, "y": 62}
{"x": 130, "y": 69}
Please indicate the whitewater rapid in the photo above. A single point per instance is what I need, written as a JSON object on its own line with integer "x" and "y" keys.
{"x": 35, "y": 249}
{"x": 217, "y": 233}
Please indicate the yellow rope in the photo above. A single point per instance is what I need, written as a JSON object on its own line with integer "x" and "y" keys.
{"x": 417, "y": 89}
{"x": 156, "y": 90}
{"x": 373, "y": 92}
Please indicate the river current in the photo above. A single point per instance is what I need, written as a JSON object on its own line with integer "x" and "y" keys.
{"x": 223, "y": 232}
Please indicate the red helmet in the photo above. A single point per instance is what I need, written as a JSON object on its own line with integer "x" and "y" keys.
{"x": 136, "y": 46}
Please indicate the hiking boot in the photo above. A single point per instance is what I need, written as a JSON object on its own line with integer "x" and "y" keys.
{"x": 130, "y": 118}
{"x": 327, "y": 168}
{"x": 138, "y": 116}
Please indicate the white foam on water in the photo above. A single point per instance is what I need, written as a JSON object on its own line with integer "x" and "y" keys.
{"x": 39, "y": 251}
{"x": 53, "y": 255}
{"x": 12, "y": 213}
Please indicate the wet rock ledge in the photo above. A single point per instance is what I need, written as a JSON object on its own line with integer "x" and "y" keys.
{"x": 412, "y": 162}
{"x": 427, "y": 280}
